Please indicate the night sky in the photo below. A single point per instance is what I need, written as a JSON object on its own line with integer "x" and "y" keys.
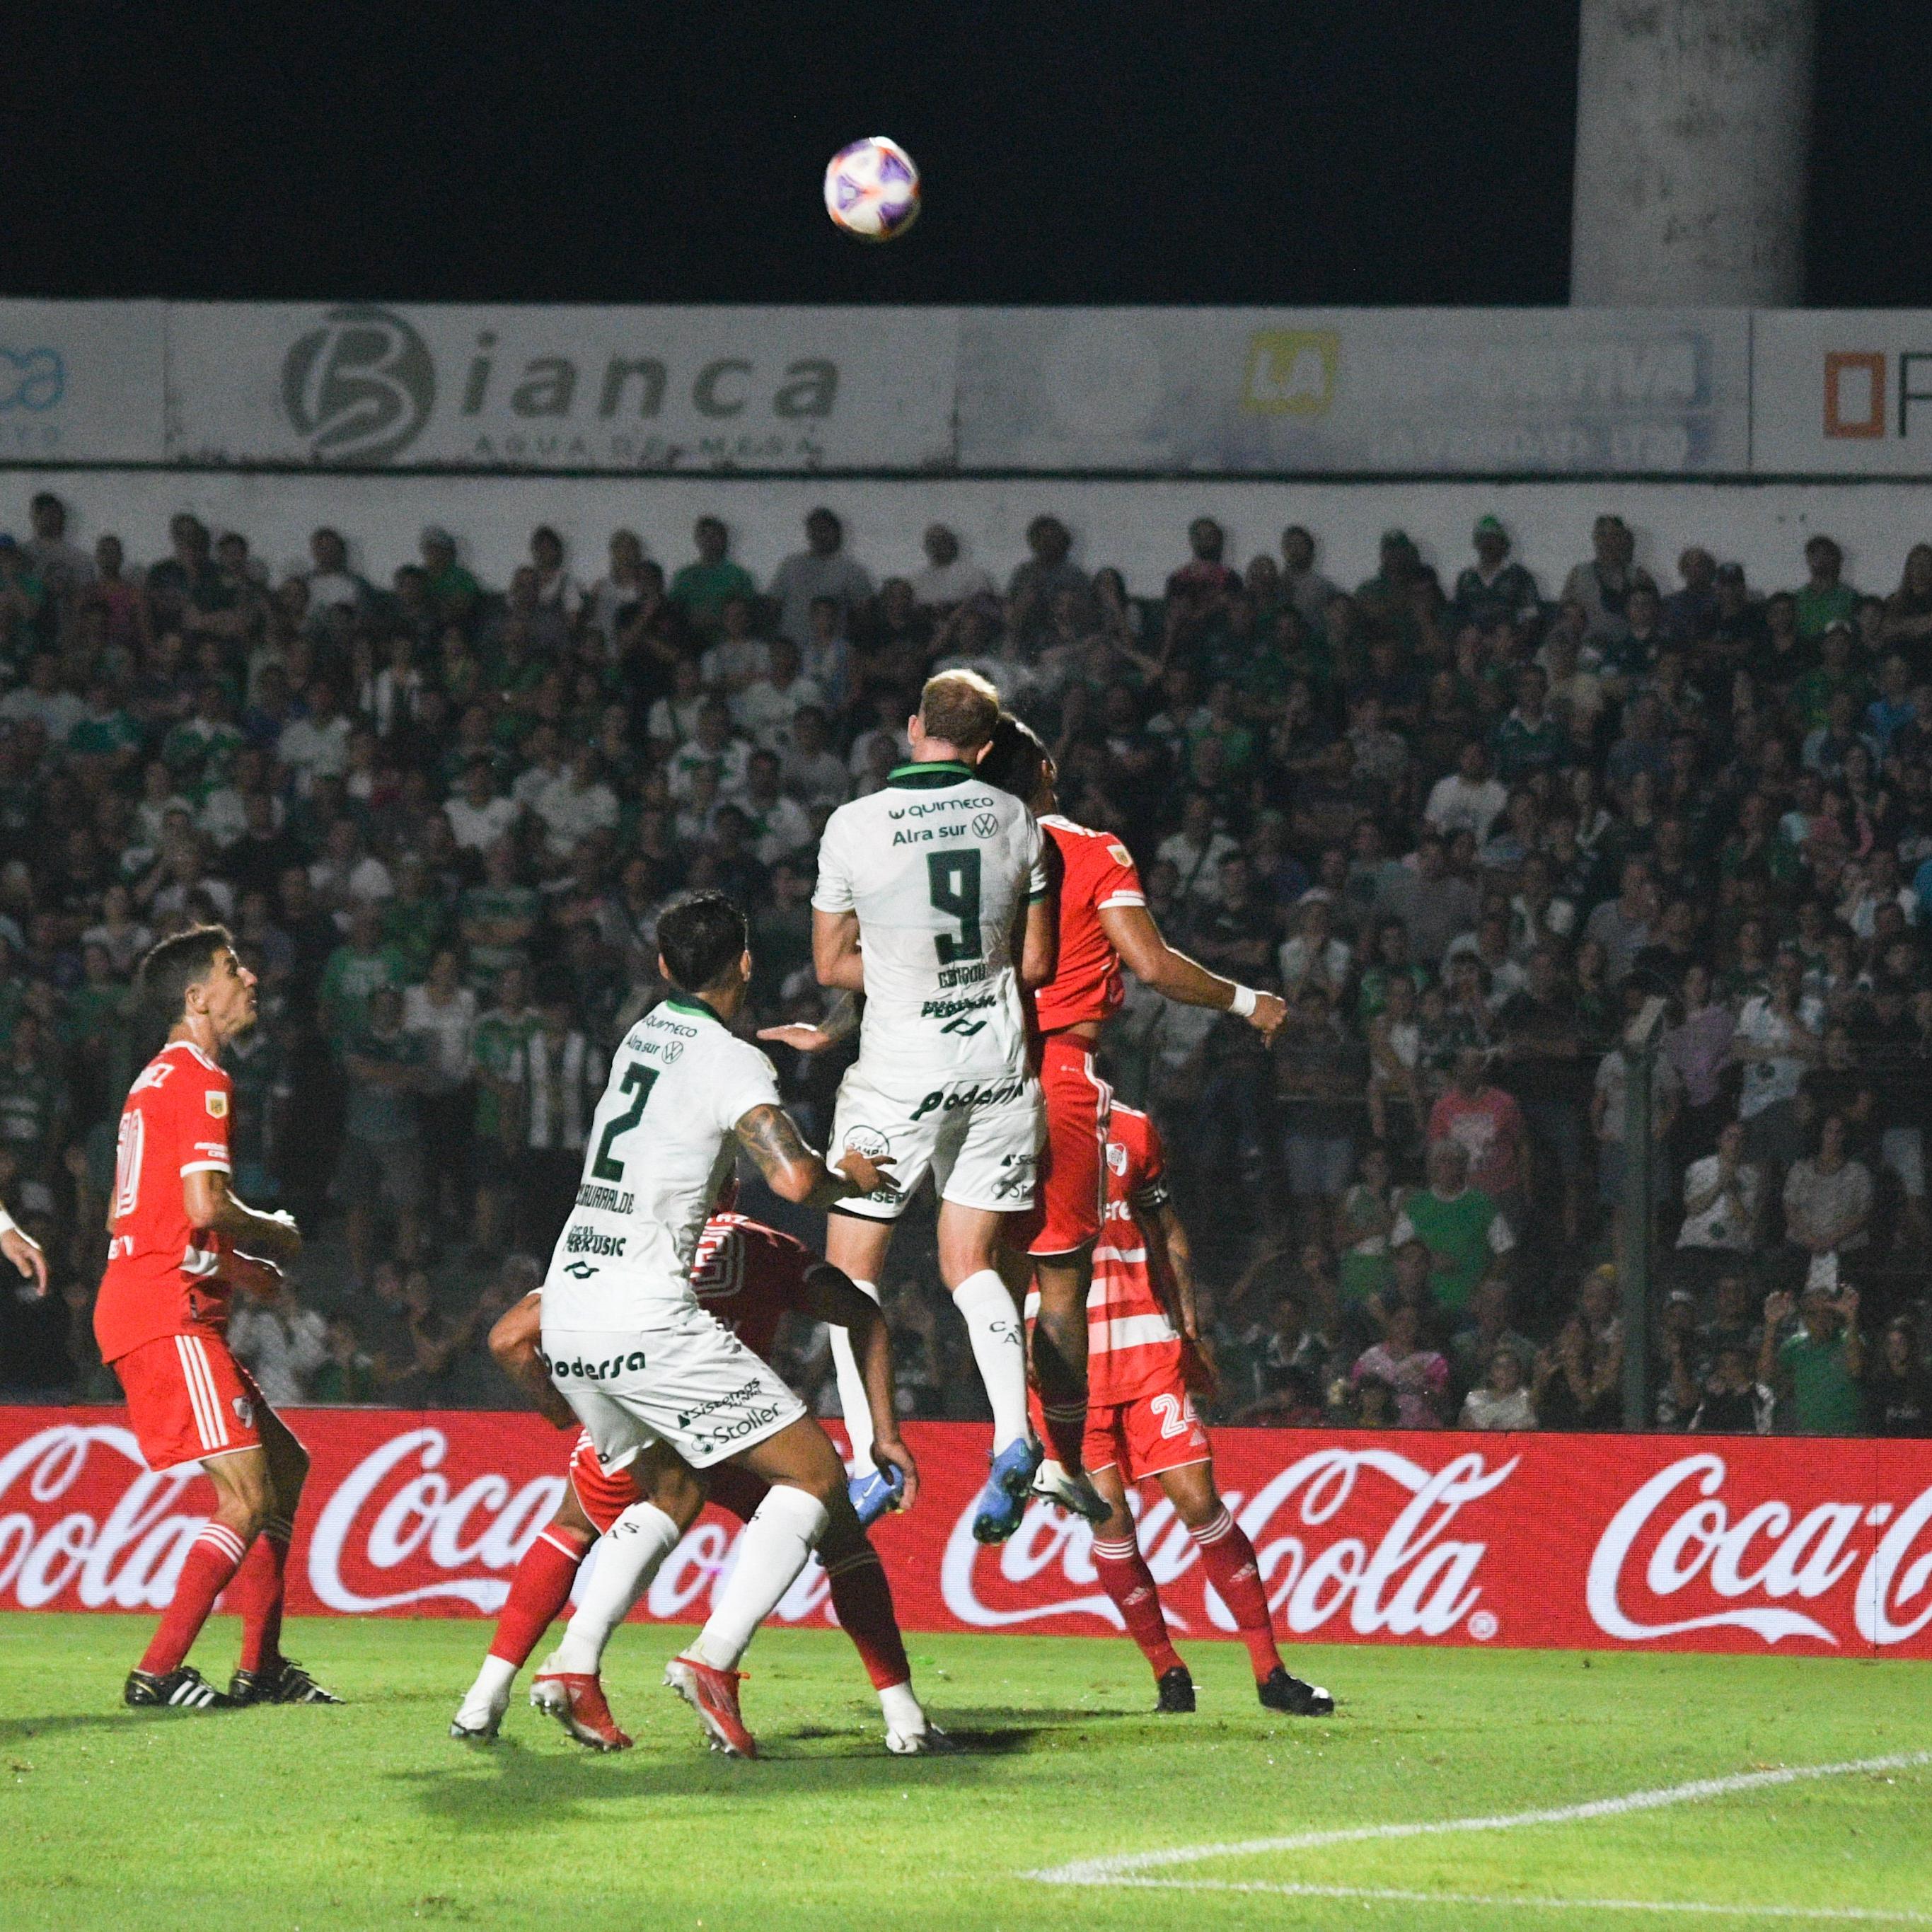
{"x": 1077, "y": 152}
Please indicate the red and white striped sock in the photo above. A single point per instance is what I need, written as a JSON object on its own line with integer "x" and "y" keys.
{"x": 256, "y": 1593}
{"x": 212, "y": 1559}
{"x": 1228, "y": 1558}
{"x": 538, "y": 1591}
{"x": 1126, "y": 1578}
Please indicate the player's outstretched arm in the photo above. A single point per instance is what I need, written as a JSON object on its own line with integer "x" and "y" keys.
{"x": 841, "y": 1022}
{"x": 836, "y": 959}
{"x": 210, "y": 1204}
{"x": 1137, "y": 939}
{"x": 513, "y": 1344}
{"x": 830, "y": 1296}
{"x": 794, "y": 1173}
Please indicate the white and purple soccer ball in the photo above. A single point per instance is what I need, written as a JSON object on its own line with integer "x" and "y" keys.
{"x": 872, "y": 189}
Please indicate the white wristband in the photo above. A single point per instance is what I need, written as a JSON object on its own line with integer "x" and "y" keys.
{"x": 7, "y": 1223}
{"x": 1242, "y": 1003}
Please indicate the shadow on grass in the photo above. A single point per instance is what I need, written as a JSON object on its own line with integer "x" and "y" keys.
{"x": 16, "y": 1730}
{"x": 478, "y": 1787}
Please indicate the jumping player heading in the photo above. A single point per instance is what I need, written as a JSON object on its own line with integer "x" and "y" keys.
{"x": 932, "y": 900}
{"x": 180, "y": 1241}
{"x": 1102, "y": 920}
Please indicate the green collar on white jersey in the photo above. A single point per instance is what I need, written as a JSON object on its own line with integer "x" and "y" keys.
{"x": 929, "y": 777}
{"x": 685, "y": 1006}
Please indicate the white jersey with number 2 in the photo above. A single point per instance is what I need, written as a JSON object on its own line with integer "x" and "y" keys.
{"x": 662, "y": 1144}
{"x": 938, "y": 865}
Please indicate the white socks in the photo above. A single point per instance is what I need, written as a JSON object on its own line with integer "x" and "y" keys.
{"x": 993, "y": 1322}
{"x": 783, "y": 1532}
{"x": 853, "y": 1404}
{"x": 490, "y": 1695}
{"x": 627, "y": 1559}
{"x": 902, "y": 1711}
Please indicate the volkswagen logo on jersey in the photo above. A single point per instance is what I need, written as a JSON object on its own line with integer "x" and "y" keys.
{"x": 985, "y": 825}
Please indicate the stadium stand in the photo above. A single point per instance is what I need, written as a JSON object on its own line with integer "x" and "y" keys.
{"x": 1465, "y": 827}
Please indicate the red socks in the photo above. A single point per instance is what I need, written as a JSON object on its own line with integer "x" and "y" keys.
{"x": 1228, "y": 1558}
{"x": 1126, "y": 1578}
{"x": 862, "y": 1600}
{"x": 1063, "y": 1427}
{"x": 538, "y": 1591}
{"x": 212, "y": 1558}
{"x": 256, "y": 1593}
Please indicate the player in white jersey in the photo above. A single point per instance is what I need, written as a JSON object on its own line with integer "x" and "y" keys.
{"x": 624, "y": 1338}
{"x": 931, "y": 899}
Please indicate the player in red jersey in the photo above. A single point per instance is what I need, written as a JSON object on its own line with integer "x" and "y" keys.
{"x": 748, "y": 1275}
{"x": 181, "y": 1241}
{"x": 1103, "y": 921}
{"x": 1141, "y": 1424}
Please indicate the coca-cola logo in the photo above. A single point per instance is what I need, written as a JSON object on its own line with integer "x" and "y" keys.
{"x": 1410, "y": 1578}
{"x": 129, "y": 1560}
{"x": 1678, "y": 1533}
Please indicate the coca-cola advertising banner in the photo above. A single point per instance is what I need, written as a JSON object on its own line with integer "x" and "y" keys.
{"x": 1722, "y": 1544}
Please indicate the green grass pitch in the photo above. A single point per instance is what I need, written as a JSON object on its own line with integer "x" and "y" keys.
{"x": 368, "y": 1815}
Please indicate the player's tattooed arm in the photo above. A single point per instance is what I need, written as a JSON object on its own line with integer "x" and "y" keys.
{"x": 794, "y": 1173}
{"x": 841, "y": 1022}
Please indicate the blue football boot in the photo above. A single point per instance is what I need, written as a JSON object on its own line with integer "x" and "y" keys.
{"x": 1003, "y": 1500}
{"x": 874, "y": 1493}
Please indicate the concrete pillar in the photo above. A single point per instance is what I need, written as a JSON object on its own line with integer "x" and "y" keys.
{"x": 1693, "y": 133}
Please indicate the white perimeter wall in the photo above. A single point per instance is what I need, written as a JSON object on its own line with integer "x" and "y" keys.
{"x": 1138, "y": 526}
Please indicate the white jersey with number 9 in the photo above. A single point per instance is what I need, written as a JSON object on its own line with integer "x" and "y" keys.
{"x": 938, "y": 865}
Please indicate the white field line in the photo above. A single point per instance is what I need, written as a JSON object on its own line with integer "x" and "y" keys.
{"x": 1386, "y": 1895}
{"x": 1127, "y": 1867}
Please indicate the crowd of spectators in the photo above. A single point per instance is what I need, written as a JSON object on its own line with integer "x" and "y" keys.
{"x": 1467, "y": 821}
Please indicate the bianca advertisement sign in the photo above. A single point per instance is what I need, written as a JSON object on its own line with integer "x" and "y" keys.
{"x": 1566, "y": 1542}
{"x": 603, "y": 389}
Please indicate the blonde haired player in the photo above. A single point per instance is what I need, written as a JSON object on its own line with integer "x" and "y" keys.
{"x": 932, "y": 900}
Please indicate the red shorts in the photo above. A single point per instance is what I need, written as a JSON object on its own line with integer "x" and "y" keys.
{"x": 189, "y": 1398}
{"x": 1071, "y": 1199}
{"x": 1155, "y": 1432}
{"x": 604, "y": 1496}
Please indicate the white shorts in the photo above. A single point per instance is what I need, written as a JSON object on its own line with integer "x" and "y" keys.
{"x": 979, "y": 1139}
{"x": 686, "y": 1381}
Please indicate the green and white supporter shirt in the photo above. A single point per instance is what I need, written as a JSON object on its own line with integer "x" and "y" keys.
{"x": 938, "y": 865}
{"x": 662, "y": 1144}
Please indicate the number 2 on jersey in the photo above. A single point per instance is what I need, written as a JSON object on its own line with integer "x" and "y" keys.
{"x": 639, "y": 1079}
{"x": 952, "y": 882}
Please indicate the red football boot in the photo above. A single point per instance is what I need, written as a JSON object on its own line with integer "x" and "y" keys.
{"x": 576, "y": 1701}
{"x": 713, "y": 1695}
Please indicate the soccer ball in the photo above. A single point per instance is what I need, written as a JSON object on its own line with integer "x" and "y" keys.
{"x": 872, "y": 189}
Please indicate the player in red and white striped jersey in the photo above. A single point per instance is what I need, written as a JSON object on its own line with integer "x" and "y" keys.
{"x": 180, "y": 1241}
{"x": 1141, "y": 1426}
{"x": 749, "y": 1276}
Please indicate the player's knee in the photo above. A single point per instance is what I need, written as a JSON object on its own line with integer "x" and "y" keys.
{"x": 248, "y": 1505}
